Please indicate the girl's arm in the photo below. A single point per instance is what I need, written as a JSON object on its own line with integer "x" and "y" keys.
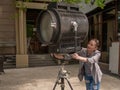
{"x": 91, "y": 59}
{"x": 78, "y": 57}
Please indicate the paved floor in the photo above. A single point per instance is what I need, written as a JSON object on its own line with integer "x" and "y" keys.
{"x": 43, "y": 78}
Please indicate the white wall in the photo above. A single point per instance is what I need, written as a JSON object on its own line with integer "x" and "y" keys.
{"x": 114, "y": 57}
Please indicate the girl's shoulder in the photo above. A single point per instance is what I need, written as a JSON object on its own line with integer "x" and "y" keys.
{"x": 84, "y": 49}
{"x": 97, "y": 51}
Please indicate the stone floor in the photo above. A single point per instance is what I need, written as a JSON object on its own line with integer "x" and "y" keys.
{"x": 43, "y": 78}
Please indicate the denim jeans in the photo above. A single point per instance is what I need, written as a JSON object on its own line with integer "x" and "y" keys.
{"x": 90, "y": 85}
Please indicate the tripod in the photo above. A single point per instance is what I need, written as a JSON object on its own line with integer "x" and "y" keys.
{"x": 62, "y": 76}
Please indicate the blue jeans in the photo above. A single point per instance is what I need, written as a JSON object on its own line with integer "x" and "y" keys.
{"x": 90, "y": 85}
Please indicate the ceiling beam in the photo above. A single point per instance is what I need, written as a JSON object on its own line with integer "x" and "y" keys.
{"x": 31, "y": 5}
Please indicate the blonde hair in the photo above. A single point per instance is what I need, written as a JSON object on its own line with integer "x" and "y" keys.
{"x": 96, "y": 41}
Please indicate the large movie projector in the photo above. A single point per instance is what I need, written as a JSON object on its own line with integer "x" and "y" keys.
{"x": 63, "y": 27}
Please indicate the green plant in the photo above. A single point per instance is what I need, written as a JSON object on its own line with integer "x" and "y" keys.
{"x": 28, "y": 0}
{"x": 99, "y": 3}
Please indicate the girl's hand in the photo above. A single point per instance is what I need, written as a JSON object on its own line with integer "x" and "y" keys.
{"x": 58, "y": 56}
{"x": 75, "y": 56}
{"x": 78, "y": 57}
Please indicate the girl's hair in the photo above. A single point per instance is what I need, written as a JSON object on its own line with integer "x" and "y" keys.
{"x": 96, "y": 41}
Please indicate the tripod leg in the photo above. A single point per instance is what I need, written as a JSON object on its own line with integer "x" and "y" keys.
{"x": 55, "y": 85}
{"x": 69, "y": 83}
{"x": 57, "y": 81}
{"x": 62, "y": 84}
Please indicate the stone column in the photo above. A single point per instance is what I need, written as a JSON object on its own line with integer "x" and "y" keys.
{"x": 21, "y": 39}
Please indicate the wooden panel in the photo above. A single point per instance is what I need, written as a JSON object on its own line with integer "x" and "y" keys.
{"x": 7, "y": 43}
{"x": 7, "y": 15}
{"x": 7, "y": 2}
{"x": 7, "y": 50}
{"x": 8, "y": 8}
{"x": 7, "y": 21}
{"x": 6, "y": 35}
{"x": 7, "y": 27}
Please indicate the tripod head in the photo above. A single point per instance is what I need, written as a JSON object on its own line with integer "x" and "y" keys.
{"x": 62, "y": 72}
{"x": 62, "y": 75}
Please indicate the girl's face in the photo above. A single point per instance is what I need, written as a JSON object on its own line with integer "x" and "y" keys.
{"x": 91, "y": 46}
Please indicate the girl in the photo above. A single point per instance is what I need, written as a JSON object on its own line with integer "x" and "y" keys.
{"x": 89, "y": 68}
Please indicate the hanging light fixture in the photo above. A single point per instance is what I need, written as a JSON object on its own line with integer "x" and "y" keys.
{"x": 63, "y": 27}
